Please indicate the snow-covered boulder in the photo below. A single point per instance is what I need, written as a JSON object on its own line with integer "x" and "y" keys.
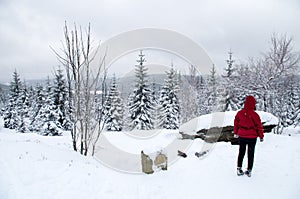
{"x": 219, "y": 126}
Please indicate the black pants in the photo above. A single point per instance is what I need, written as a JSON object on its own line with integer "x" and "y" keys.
{"x": 243, "y": 142}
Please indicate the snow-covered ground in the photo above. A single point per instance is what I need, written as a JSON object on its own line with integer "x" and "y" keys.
{"x": 37, "y": 167}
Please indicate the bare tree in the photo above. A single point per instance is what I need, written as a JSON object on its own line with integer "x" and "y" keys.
{"x": 76, "y": 56}
{"x": 283, "y": 59}
{"x": 279, "y": 61}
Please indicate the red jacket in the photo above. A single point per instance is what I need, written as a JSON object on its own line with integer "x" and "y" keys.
{"x": 247, "y": 122}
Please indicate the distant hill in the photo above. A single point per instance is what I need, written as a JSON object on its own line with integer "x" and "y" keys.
{"x": 34, "y": 82}
{"x": 4, "y": 87}
{"x": 126, "y": 84}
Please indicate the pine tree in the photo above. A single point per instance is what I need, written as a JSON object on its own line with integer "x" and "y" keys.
{"x": 47, "y": 118}
{"x": 60, "y": 98}
{"x": 229, "y": 69}
{"x": 228, "y": 80}
{"x": 114, "y": 108}
{"x": 212, "y": 91}
{"x": 241, "y": 85}
{"x": 287, "y": 103}
{"x": 31, "y": 101}
{"x": 169, "y": 103}
{"x": 22, "y": 108}
{"x": 293, "y": 101}
{"x": 202, "y": 98}
{"x": 3, "y": 100}
{"x": 39, "y": 99}
{"x": 140, "y": 104}
{"x": 154, "y": 99}
{"x": 10, "y": 115}
{"x": 11, "y": 119}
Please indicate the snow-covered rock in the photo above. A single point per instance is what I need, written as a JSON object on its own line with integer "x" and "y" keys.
{"x": 221, "y": 119}
{"x": 220, "y": 126}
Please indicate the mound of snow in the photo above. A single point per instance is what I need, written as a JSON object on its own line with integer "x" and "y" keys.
{"x": 221, "y": 119}
{"x": 267, "y": 118}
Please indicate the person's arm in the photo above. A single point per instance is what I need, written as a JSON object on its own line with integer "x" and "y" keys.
{"x": 258, "y": 126}
{"x": 236, "y": 124}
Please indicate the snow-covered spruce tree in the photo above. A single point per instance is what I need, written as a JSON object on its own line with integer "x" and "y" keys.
{"x": 46, "y": 121}
{"x": 287, "y": 103}
{"x": 3, "y": 100}
{"x": 154, "y": 99}
{"x": 140, "y": 105}
{"x": 39, "y": 101}
{"x": 11, "y": 119}
{"x": 169, "y": 104}
{"x": 40, "y": 109}
{"x": 22, "y": 107}
{"x": 10, "y": 115}
{"x": 59, "y": 100}
{"x": 31, "y": 101}
{"x": 214, "y": 93}
{"x": 69, "y": 105}
{"x": 202, "y": 98}
{"x": 230, "y": 101}
{"x": 241, "y": 84}
{"x": 212, "y": 89}
{"x": 114, "y": 108}
{"x": 296, "y": 100}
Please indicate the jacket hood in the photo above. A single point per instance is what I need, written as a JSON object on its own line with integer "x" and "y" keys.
{"x": 249, "y": 103}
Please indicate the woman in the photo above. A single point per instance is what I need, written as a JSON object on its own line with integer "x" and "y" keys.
{"x": 247, "y": 127}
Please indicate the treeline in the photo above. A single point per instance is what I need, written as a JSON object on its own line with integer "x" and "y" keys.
{"x": 49, "y": 109}
{"x": 43, "y": 109}
{"x": 271, "y": 78}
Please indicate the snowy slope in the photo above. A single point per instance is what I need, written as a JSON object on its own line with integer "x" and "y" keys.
{"x": 37, "y": 167}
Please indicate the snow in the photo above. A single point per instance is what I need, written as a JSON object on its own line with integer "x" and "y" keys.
{"x": 221, "y": 119}
{"x": 37, "y": 167}
{"x": 291, "y": 130}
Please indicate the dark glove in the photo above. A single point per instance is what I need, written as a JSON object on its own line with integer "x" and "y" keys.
{"x": 261, "y": 139}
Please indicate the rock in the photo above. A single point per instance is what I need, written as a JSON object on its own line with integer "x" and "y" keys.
{"x": 268, "y": 128}
{"x": 207, "y": 127}
{"x": 147, "y": 163}
{"x": 199, "y": 154}
{"x": 161, "y": 161}
{"x": 192, "y": 137}
{"x": 218, "y": 134}
{"x": 187, "y": 136}
{"x": 182, "y": 154}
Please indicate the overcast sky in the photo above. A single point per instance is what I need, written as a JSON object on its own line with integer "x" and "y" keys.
{"x": 29, "y": 27}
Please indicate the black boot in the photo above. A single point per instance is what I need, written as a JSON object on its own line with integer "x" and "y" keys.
{"x": 248, "y": 172}
{"x": 239, "y": 171}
